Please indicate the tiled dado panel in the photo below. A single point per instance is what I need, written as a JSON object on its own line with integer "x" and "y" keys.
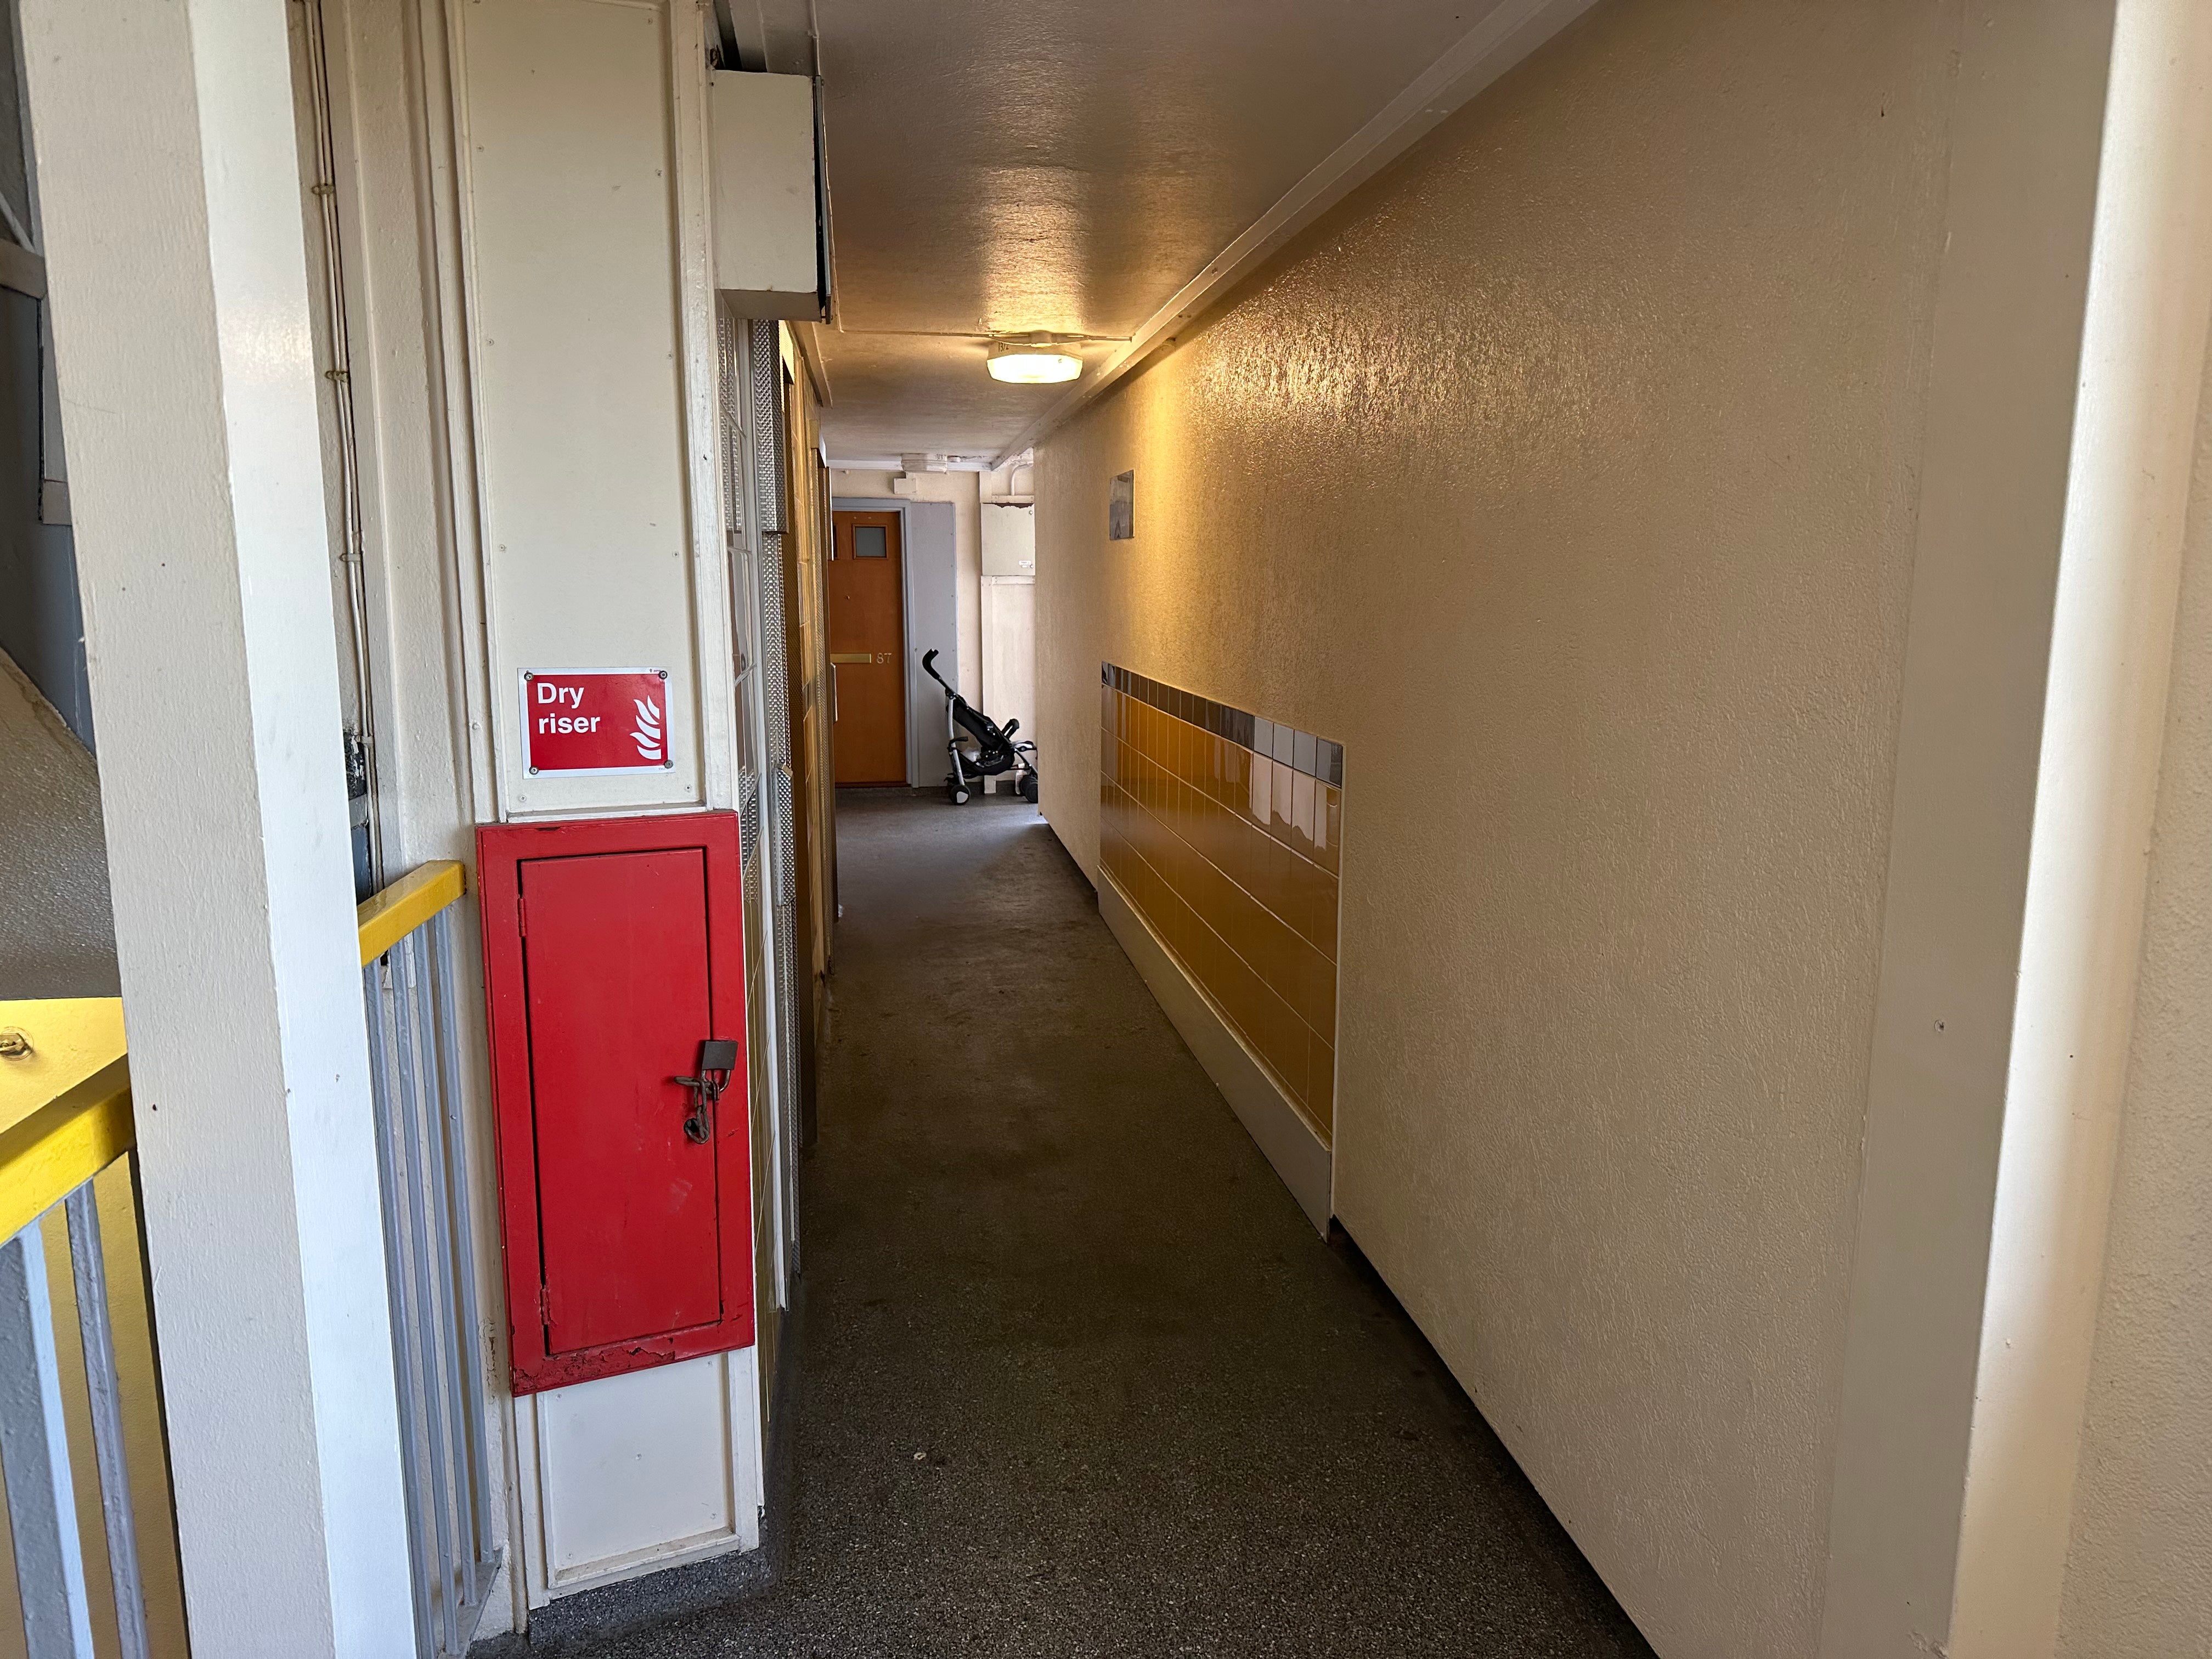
{"x": 1221, "y": 829}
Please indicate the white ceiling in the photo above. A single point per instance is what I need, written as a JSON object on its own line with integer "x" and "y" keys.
{"x": 1071, "y": 165}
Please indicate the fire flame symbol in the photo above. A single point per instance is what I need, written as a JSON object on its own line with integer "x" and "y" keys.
{"x": 648, "y": 734}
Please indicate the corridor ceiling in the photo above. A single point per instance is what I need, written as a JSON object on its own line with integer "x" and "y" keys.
{"x": 1066, "y": 165}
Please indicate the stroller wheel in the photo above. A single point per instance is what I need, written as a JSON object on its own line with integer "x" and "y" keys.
{"x": 1029, "y": 787}
{"x": 954, "y": 793}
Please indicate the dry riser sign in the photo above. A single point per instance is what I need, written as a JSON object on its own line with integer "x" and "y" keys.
{"x": 596, "y": 719}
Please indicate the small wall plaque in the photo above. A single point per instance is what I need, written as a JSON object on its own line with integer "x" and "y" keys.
{"x": 1121, "y": 508}
{"x": 593, "y": 720}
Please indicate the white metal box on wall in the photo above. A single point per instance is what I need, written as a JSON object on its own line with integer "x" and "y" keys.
{"x": 768, "y": 237}
{"x": 1009, "y": 540}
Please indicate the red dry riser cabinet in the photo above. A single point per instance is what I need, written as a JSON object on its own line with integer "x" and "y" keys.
{"x": 613, "y": 948}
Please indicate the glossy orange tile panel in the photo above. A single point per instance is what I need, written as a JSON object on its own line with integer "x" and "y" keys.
{"x": 1233, "y": 857}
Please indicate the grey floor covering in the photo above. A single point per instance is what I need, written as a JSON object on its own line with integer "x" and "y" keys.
{"x": 1076, "y": 1378}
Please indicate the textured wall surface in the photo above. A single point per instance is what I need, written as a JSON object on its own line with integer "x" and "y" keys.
{"x": 1565, "y": 475}
{"x": 2139, "y": 1573}
{"x": 56, "y": 934}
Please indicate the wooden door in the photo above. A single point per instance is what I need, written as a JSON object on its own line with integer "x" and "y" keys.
{"x": 866, "y": 590}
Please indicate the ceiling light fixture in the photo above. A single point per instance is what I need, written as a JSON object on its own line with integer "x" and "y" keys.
{"x": 1032, "y": 360}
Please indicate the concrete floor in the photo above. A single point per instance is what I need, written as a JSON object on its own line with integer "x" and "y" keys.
{"x": 1077, "y": 1377}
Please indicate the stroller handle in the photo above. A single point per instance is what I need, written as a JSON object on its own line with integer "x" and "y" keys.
{"x": 929, "y": 667}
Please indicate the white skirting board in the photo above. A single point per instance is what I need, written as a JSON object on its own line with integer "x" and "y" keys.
{"x": 1299, "y": 1156}
{"x": 629, "y": 1475}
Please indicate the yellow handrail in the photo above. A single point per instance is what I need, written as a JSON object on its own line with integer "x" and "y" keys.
{"x": 56, "y": 1149}
{"x": 65, "y": 1102}
{"x": 389, "y": 916}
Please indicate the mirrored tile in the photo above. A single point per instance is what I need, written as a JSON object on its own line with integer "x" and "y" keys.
{"x": 1330, "y": 767}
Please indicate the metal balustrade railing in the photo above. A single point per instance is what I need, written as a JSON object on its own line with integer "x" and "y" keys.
{"x": 64, "y": 1119}
{"x": 414, "y": 1009}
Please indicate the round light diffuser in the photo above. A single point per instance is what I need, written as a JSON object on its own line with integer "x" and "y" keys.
{"x": 1032, "y": 360}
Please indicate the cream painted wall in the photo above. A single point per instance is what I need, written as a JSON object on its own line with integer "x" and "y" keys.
{"x": 961, "y": 490}
{"x": 595, "y": 494}
{"x": 2139, "y": 1571}
{"x": 456, "y": 601}
{"x": 1569, "y": 475}
{"x": 589, "y": 308}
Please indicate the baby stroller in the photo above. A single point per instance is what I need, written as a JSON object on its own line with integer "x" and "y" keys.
{"x": 979, "y": 748}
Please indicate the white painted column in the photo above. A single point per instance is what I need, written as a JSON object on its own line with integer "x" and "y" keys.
{"x": 2004, "y": 357}
{"x": 2119, "y": 586}
{"x": 172, "y": 201}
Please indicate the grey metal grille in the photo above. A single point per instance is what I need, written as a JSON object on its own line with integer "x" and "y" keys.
{"x": 414, "y": 1021}
{"x": 765, "y": 388}
{"x": 43, "y": 1519}
{"x": 733, "y": 426}
{"x": 753, "y": 888}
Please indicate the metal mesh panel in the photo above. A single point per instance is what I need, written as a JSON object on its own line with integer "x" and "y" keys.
{"x": 764, "y": 380}
{"x": 748, "y": 820}
{"x": 766, "y": 388}
{"x": 413, "y": 1010}
{"x": 733, "y": 462}
{"x": 775, "y": 704}
{"x": 752, "y": 877}
{"x": 767, "y": 379}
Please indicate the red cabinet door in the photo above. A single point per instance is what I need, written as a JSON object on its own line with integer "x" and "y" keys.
{"x": 612, "y": 949}
{"x": 614, "y": 953}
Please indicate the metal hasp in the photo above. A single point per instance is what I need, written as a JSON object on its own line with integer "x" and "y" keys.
{"x": 626, "y": 1197}
{"x": 717, "y": 1058}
